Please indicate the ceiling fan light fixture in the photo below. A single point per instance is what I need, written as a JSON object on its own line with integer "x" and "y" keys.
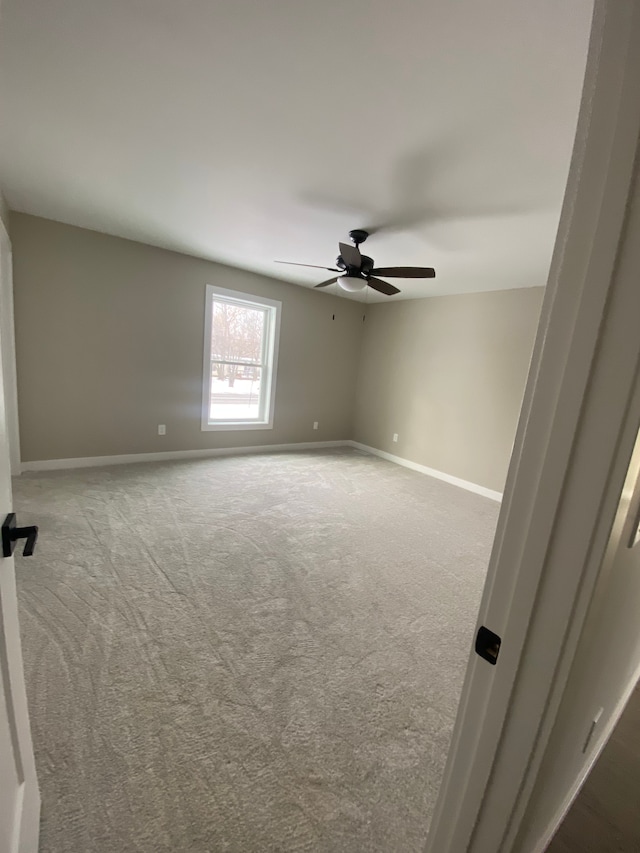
{"x": 351, "y": 283}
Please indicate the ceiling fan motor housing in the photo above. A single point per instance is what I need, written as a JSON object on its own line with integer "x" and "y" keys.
{"x": 365, "y": 267}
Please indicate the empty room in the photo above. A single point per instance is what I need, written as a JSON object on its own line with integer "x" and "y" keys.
{"x": 271, "y": 280}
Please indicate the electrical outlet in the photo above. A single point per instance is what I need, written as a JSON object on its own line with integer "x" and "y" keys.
{"x": 162, "y": 429}
{"x": 395, "y": 436}
{"x": 315, "y": 424}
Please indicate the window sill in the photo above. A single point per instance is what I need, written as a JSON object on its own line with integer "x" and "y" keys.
{"x": 237, "y": 425}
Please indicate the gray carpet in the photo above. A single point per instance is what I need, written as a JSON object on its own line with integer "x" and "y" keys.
{"x": 254, "y": 653}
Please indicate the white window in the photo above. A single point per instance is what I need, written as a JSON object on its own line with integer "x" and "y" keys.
{"x": 241, "y": 335}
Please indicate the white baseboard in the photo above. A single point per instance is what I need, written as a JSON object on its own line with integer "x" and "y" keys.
{"x": 100, "y": 461}
{"x": 164, "y": 456}
{"x": 423, "y": 469}
{"x": 553, "y": 826}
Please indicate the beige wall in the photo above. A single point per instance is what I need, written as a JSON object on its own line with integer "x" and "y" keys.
{"x": 447, "y": 374}
{"x": 109, "y": 342}
{"x": 109, "y": 337}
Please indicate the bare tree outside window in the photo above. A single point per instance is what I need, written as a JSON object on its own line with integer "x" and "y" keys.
{"x": 237, "y": 351}
{"x": 236, "y": 339}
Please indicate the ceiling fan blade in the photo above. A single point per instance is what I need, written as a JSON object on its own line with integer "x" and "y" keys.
{"x": 382, "y": 286}
{"x": 405, "y": 272}
{"x": 314, "y": 266}
{"x": 326, "y": 283}
{"x": 350, "y": 255}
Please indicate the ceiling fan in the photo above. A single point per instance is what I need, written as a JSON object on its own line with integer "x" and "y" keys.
{"x": 357, "y": 271}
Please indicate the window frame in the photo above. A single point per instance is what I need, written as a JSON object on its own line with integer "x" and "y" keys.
{"x": 271, "y": 341}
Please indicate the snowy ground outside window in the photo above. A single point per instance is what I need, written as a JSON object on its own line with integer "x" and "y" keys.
{"x": 241, "y": 401}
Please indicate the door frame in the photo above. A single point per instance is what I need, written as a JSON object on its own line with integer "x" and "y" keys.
{"x": 575, "y": 437}
{"x": 8, "y": 337}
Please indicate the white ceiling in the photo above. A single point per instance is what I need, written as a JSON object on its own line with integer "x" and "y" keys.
{"x": 250, "y": 130}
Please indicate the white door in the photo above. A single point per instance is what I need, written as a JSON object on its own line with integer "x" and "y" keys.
{"x": 19, "y": 795}
{"x": 575, "y": 439}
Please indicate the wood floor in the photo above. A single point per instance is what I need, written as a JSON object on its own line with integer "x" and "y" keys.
{"x": 605, "y": 818}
